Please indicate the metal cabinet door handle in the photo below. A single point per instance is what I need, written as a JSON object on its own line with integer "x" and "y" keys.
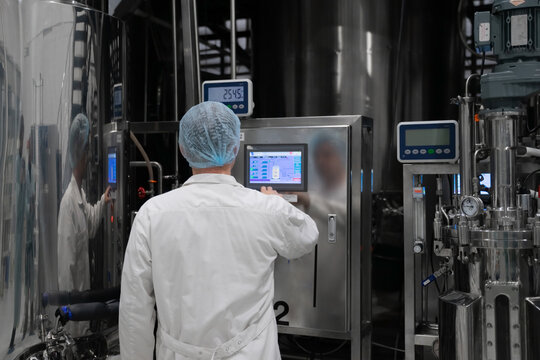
{"x": 332, "y": 228}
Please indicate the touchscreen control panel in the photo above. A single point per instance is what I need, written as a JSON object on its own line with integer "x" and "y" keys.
{"x": 283, "y": 167}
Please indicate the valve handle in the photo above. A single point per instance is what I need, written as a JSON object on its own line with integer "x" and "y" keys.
{"x": 141, "y": 193}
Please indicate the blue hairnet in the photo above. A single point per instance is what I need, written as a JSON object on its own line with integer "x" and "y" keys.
{"x": 209, "y": 134}
{"x": 78, "y": 138}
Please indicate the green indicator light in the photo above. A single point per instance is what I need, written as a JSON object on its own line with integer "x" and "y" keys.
{"x": 431, "y": 151}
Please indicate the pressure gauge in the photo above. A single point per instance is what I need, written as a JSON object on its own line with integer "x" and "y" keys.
{"x": 471, "y": 206}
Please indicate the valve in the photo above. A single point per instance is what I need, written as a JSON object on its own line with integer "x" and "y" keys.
{"x": 443, "y": 270}
{"x": 141, "y": 193}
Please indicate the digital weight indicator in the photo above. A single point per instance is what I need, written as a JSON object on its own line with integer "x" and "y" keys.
{"x": 236, "y": 94}
{"x": 427, "y": 141}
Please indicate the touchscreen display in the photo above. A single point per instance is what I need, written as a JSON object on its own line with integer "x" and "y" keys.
{"x": 112, "y": 167}
{"x": 281, "y": 166}
{"x": 275, "y": 167}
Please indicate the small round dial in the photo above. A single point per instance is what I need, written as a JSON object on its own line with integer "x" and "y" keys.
{"x": 471, "y": 206}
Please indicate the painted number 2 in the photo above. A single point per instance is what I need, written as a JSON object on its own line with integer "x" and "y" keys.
{"x": 283, "y": 313}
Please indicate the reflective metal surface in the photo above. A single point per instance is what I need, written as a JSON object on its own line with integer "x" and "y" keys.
{"x": 326, "y": 293}
{"x": 502, "y": 138}
{"x": 56, "y": 60}
{"x": 460, "y": 311}
{"x": 340, "y": 57}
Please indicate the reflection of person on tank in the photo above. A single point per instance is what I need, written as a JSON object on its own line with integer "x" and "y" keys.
{"x": 78, "y": 221}
{"x": 331, "y": 193}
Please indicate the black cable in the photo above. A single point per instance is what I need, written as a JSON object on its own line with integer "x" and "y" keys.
{"x": 314, "y": 353}
{"x": 533, "y": 130}
{"x": 396, "y": 83}
{"x": 483, "y": 63}
{"x": 529, "y": 176}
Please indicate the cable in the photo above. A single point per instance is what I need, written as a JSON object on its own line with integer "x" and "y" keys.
{"x": 483, "y": 63}
{"x": 533, "y": 130}
{"x": 528, "y": 176}
{"x": 318, "y": 353}
{"x": 387, "y": 347}
{"x": 396, "y": 80}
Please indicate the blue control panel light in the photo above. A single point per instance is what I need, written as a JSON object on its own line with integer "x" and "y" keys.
{"x": 111, "y": 167}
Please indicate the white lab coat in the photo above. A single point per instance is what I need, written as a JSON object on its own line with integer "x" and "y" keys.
{"x": 78, "y": 221}
{"x": 204, "y": 254}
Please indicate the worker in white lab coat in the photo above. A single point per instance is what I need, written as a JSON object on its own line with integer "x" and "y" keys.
{"x": 78, "y": 221}
{"x": 204, "y": 255}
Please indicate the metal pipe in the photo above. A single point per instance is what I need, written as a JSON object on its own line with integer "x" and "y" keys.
{"x": 159, "y": 172}
{"x": 146, "y": 159}
{"x": 472, "y": 76}
{"x": 176, "y": 116}
{"x": 525, "y": 151}
{"x": 475, "y": 171}
{"x": 233, "y": 40}
{"x": 502, "y": 133}
{"x": 466, "y": 114}
{"x": 197, "y": 55}
{"x": 146, "y": 73}
{"x": 190, "y": 42}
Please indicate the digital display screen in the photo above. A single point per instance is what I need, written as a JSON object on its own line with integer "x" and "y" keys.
{"x": 275, "y": 167}
{"x": 226, "y": 94}
{"x": 427, "y": 137}
{"x": 281, "y": 166}
{"x": 111, "y": 167}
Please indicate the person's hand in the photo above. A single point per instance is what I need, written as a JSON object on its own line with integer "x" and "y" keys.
{"x": 107, "y": 194}
{"x": 269, "y": 191}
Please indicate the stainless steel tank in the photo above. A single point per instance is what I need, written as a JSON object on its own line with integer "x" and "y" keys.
{"x": 57, "y": 59}
{"x": 391, "y": 61}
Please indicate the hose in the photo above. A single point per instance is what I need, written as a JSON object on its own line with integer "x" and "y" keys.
{"x": 146, "y": 159}
{"x": 87, "y": 311}
{"x": 76, "y": 297}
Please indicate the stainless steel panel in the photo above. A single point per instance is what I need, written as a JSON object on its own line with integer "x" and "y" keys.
{"x": 460, "y": 334}
{"x": 327, "y": 292}
{"x": 412, "y": 275}
{"x": 56, "y": 60}
{"x": 317, "y": 298}
{"x": 116, "y": 220}
{"x": 533, "y": 327}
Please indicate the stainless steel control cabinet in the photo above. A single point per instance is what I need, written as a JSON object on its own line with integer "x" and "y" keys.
{"x": 326, "y": 293}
